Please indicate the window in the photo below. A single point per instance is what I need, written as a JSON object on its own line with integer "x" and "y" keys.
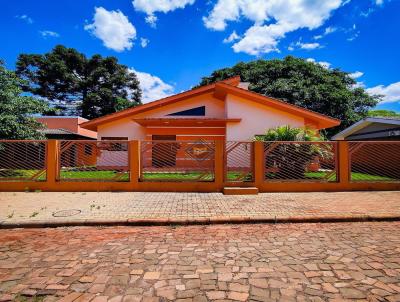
{"x": 197, "y": 111}
{"x": 113, "y": 146}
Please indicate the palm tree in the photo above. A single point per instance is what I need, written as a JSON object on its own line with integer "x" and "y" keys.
{"x": 291, "y": 158}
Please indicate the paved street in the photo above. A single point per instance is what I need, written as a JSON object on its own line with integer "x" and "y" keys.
{"x": 283, "y": 262}
{"x": 44, "y": 207}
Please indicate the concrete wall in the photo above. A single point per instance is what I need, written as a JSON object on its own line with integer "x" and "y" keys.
{"x": 256, "y": 118}
{"x": 122, "y": 128}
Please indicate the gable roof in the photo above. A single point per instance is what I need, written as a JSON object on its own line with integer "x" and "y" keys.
{"x": 220, "y": 89}
{"x": 364, "y": 123}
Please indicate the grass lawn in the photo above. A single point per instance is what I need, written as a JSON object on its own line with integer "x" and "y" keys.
{"x": 170, "y": 176}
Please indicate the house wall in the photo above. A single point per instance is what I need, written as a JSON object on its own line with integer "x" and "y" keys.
{"x": 128, "y": 128}
{"x": 122, "y": 128}
{"x": 215, "y": 108}
{"x": 256, "y": 118}
{"x": 67, "y": 123}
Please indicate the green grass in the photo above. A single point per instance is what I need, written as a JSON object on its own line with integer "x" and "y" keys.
{"x": 172, "y": 176}
{"x": 102, "y": 175}
{"x": 109, "y": 175}
{"x": 356, "y": 176}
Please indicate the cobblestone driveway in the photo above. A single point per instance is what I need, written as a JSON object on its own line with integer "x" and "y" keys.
{"x": 284, "y": 262}
{"x": 128, "y": 206}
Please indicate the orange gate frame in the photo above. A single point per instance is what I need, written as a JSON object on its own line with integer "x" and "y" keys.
{"x": 134, "y": 184}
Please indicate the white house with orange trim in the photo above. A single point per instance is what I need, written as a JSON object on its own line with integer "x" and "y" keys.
{"x": 225, "y": 110}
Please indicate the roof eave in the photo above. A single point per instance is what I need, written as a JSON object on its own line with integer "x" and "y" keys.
{"x": 322, "y": 121}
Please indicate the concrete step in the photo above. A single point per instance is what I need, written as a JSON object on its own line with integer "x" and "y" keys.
{"x": 240, "y": 190}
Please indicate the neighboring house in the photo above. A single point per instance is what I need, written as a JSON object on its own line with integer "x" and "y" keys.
{"x": 225, "y": 110}
{"x": 372, "y": 128}
{"x": 65, "y": 128}
{"x": 69, "y": 128}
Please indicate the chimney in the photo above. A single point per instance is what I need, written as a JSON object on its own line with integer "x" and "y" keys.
{"x": 244, "y": 85}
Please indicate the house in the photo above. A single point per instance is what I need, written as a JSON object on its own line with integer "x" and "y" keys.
{"x": 65, "y": 128}
{"x": 372, "y": 128}
{"x": 69, "y": 128}
{"x": 224, "y": 110}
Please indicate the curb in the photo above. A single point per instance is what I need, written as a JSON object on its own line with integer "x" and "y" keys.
{"x": 196, "y": 221}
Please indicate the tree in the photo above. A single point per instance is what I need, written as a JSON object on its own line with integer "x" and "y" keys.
{"x": 383, "y": 113}
{"x": 292, "y": 159}
{"x": 73, "y": 83}
{"x": 16, "y": 110}
{"x": 288, "y": 133}
{"x": 328, "y": 91}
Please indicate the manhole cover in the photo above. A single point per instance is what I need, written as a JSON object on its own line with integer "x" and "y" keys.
{"x": 66, "y": 213}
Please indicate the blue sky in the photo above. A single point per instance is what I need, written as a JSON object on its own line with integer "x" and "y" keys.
{"x": 171, "y": 44}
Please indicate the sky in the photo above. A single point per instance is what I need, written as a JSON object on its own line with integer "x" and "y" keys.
{"x": 171, "y": 44}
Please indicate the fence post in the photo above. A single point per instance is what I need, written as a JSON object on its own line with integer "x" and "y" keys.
{"x": 52, "y": 161}
{"x": 344, "y": 163}
{"x": 258, "y": 163}
{"x": 219, "y": 164}
{"x": 134, "y": 163}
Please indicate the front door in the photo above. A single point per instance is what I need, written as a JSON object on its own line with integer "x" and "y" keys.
{"x": 164, "y": 152}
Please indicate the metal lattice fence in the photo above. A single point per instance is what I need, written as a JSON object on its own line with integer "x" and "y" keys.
{"x": 94, "y": 161}
{"x": 23, "y": 160}
{"x": 239, "y": 161}
{"x": 301, "y": 161}
{"x": 177, "y": 161}
{"x": 374, "y": 161}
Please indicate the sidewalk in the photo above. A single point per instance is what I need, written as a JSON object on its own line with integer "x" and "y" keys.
{"x": 147, "y": 208}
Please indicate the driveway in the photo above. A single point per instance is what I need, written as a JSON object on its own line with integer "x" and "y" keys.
{"x": 174, "y": 208}
{"x": 283, "y": 262}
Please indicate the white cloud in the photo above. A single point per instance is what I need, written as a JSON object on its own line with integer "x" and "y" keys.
{"x": 324, "y": 64}
{"x": 272, "y": 20}
{"x": 152, "y": 6}
{"x": 25, "y": 18}
{"x": 151, "y": 20}
{"x": 329, "y": 30}
{"x": 153, "y": 87}
{"x": 232, "y": 37}
{"x": 144, "y": 42}
{"x": 113, "y": 28}
{"x": 356, "y": 75}
{"x": 49, "y": 33}
{"x": 308, "y": 46}
{"x": 391, "y": 93}
{"x": 378, "y": 2}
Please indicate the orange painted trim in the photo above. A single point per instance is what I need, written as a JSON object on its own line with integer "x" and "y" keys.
{"x": 92, "y": 124}
{"x": 322, "y": 120}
